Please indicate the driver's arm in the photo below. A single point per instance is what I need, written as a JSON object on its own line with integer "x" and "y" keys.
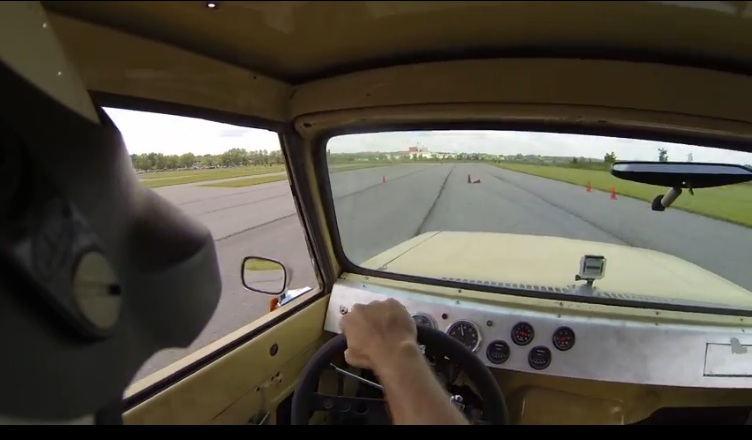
{"x": 381, "y": 336}
{"x": 414, "y": 395}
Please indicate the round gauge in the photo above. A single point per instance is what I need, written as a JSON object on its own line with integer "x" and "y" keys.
{"x": 539, "y": 357}
{"x": 465, "y": 332}
{"x": 522, "y": 333}
{"x": 497, "y": 352}
{"x": 563, "y": 338}
{"x": 424, "y": 320}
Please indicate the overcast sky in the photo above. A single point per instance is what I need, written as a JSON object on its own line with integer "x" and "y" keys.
{"x": 152, "y": 132}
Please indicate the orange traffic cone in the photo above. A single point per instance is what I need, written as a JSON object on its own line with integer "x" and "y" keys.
{"x": 613, "y": 193}
{"x": 589, "y": 188}
{"x": 383, "y": 179}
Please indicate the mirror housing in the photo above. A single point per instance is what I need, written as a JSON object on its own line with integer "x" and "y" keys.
{"x": 680, "y": 175}
{"x": 264, "y": 275}
{"x": 688, "y": 175}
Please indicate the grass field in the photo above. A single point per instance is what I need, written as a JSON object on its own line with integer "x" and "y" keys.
{"x": 732, "y": 203}
{"x": 262, "y": 265}
{"x": 267, "y": 179}
{"x": 240, "y": 183}
{"x": 168, "y": 178}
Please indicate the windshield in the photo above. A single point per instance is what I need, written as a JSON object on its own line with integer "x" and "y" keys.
{"x": 518, "y": 211}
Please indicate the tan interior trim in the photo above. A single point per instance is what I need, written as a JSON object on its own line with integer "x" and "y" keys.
{"x": 546, "y": 89}
{"x": 121, "y": 64}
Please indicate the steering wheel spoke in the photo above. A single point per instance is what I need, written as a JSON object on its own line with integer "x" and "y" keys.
{"x": 370, "y": 409}
{"x": 307, "y": 399}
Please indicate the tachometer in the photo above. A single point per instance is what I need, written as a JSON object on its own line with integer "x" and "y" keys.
{"x": 466, "y": 332}
{"x": 424, "y": 320}
{"x": 563, "y": 338}
{"x": 522, "y": 333}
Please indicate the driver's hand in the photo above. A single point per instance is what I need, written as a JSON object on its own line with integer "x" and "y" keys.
{"x": 376, "y": 333}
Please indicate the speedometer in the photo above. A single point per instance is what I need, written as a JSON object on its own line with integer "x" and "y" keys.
{"x": 466, "y": 332}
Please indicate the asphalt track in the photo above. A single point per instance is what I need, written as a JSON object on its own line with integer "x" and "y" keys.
{"x": 378, "y": 208}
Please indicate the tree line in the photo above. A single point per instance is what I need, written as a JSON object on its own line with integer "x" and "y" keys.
{"x": 411, "y": 157}
{"x": 236, "y": 157}
{"x": 609, "y": 160}
{"x": 233, "y": 157}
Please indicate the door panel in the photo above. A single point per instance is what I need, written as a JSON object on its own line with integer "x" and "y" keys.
{"x": 256, "y": 376}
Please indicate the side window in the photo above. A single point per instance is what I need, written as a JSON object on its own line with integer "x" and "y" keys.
{"x": 233, "y": 180}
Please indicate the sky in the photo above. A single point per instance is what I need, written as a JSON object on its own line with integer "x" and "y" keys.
{"x": 153, "y": 132}
{"x": 145, "y": 132}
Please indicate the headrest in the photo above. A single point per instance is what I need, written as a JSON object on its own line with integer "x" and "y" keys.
{"x": 97, "y": 273}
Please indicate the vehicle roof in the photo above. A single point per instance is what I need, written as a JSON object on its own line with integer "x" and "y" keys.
{"x": 673, "y": 71}
{"x": 296, "y": 41}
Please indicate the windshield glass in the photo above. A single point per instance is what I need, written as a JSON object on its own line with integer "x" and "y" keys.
{"x": 518, "y": 212}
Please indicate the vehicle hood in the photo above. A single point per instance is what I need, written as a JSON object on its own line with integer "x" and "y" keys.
{"x": 549, "y": 264}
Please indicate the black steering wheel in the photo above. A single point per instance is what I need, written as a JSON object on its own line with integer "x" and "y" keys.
{"x": 307, "y": 398}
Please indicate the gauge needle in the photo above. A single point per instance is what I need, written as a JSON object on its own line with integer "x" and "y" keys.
{"x": 462, "y": 331}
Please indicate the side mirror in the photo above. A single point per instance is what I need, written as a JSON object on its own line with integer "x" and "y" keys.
{"x": 264, "y": 275}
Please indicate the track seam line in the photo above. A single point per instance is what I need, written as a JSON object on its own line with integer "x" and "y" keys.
{"x": 433, "y": 205}
{"x": 561, "y": 208}
{"x": 294, "y": 214}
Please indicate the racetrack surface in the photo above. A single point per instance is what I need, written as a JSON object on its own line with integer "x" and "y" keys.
{"x": 378, "y": 208}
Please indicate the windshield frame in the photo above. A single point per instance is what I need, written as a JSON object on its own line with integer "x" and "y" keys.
{"x": 321, "y": 141}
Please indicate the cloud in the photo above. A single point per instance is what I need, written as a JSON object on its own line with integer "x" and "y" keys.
{"x": 234, "y": 132}
{"x": 145, "y": 132}
{"x": 545, "y": 144}
{"x": 153, "y": 132}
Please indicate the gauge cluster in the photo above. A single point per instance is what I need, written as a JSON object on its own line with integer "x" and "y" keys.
{"x": 499, "y": 351}
{"x": 575, "y": 346}
{"x": 522, "y": 341}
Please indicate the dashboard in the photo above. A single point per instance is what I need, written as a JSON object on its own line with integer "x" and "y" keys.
{"x": 575, "y": 346}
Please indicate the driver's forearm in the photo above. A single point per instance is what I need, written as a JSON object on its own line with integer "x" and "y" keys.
{"x": 414, "y": 395}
